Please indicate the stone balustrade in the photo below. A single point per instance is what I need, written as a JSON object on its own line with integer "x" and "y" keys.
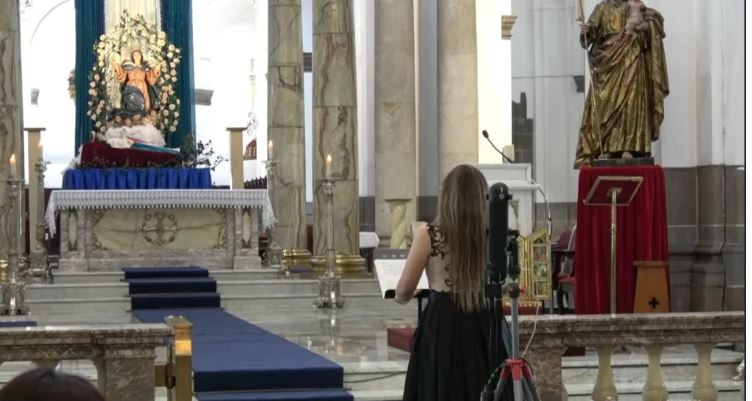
{"x": 123, "y": 354}
{"x": 555, "y": 333}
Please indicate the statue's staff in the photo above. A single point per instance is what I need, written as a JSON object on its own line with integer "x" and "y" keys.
{"x": 583, "y": 25}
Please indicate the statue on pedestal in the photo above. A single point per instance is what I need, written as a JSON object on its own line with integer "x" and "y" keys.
{"x": 624, "y": 107}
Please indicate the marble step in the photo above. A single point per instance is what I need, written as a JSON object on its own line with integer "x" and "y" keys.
{"x": 112, "y": 277}
{"x": 281, "y": 302}
{"x": 226, "y": 286}
{"x": 728, "y": 390}
{"x": 293, "y": 286}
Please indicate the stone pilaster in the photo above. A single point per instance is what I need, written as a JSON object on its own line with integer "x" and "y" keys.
{"x": 285, "y": 123}
{"x": 334, "y": 122}
{"x": 11, "y": 102}
{"x": 458, "y": 84}
{"x": 395, "y": 110}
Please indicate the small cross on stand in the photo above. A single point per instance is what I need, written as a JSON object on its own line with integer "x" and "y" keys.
{"x": 654, "y": 303}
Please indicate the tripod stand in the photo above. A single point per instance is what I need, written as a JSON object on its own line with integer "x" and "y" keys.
{"x": 513, "y": 367}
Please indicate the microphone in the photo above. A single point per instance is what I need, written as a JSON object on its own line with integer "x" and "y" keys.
{"x": 485, "y": 135}
{"x": 498, "y": 214}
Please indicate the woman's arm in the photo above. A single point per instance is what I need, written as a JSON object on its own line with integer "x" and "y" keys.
{"x": 414, "y": 266}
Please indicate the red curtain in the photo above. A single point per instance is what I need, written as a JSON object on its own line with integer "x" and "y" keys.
{"x": 642, "y": 235}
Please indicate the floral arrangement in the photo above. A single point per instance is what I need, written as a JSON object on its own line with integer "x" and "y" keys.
{"x": 134, "y": 33}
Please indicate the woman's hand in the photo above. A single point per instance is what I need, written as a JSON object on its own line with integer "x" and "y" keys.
{"x": 584, "y": 29}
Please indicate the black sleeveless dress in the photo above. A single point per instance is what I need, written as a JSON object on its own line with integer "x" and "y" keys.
{"x": 450, "y": 359}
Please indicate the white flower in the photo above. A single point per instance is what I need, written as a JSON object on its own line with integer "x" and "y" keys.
{"x": 173, "y": 72}
{"x": 92, "y": 92}
{"x": 177, "y": 101}
{"x": 172, "y": 107}
{"x": 98, "y": 124}
{"x": 160, "y": 42}
{"x": 162, "y": 35}
{"x": 177, "y": 51}
{"x": 169, "y": 55}
{"x": 166, "y": 113}
{"x": 171, "y": 48}
{"x": 88, "y": 113}
{"x": 96, "y": 77}
{"x": 173, "y": 128}
{"x": 174, "y": 79}
{"x": 101, "y": 37}
{"x": 92, "y": 84}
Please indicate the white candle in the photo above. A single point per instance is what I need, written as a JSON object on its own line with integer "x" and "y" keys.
{"x": 271, "y": 150}
{"x": 13, "y": 171}
{"x": 328, "y": 167}
{"x": 40, "y": 149}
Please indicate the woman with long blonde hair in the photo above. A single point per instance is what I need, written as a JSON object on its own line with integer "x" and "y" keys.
{"x": 450, "y": 359}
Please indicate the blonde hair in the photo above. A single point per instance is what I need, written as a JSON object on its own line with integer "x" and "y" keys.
{"x": 462, "y": 220}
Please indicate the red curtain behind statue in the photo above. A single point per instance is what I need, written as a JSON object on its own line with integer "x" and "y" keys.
{"x": 642, "y": 235}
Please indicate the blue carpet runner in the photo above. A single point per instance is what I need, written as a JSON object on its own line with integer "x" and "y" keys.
{"x": 233, "y": 360}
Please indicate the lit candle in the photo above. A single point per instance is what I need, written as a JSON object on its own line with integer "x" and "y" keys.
{"x": 271, "y": 150}
{"x": 13, "y": 171}
{"x": 328, "y": 167}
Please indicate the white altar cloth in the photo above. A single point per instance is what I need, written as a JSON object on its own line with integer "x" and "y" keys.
{"x": 160, "y": 198}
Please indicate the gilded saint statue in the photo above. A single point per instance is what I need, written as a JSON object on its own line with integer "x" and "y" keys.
{"x": 139, "y": 92}
{"x": 624, "y": 106}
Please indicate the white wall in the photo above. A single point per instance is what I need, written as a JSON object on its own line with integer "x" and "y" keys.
{"x": 494, "y": 78}
{"x": 48, "y": 52}
{"x": 545, "y": 56}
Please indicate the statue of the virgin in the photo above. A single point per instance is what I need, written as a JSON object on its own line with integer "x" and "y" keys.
{"x": 139, "y": 92}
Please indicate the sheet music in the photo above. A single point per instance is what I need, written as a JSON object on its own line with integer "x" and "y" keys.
{"x": 388, "y": 271}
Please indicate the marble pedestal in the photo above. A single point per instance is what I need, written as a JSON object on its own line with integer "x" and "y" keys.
{"x": 109, "y": 240}
{"x": 105, "y": 230}
{"x": 517, "y": 177}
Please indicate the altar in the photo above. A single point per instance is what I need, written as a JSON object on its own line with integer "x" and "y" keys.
{"x": 107, "y": 230}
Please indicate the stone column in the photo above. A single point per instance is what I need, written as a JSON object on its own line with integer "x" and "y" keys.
{"x": 395, "y": 110}
{"x": 285, "y": 122}
{"x": 458, "y": 84}
{"x": 334, "y": 122}
{"x": 11, "y": 102}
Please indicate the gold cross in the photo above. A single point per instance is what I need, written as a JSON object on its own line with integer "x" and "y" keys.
{"x": 160, "y": 228}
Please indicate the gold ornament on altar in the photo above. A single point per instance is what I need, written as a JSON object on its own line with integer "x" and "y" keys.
{"x": 134, "y": 77}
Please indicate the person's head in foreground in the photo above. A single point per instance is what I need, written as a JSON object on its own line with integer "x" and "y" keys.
{"x": 49, "y": 385}
{"x": 462, "y": 219}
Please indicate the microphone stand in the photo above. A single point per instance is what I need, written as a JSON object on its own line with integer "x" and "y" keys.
{"x": 549, "y": 221}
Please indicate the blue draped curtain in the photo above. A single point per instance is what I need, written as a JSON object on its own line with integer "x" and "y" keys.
{"x": 89, "y": 26}
{"x": 177, "y": 23}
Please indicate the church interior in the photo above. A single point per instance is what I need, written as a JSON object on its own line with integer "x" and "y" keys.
{"x": 214, "y": 200}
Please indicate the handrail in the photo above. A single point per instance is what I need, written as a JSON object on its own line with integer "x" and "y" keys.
{"x": 553, "y": 334}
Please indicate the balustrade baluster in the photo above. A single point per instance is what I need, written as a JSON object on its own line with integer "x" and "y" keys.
{"x": 655, "y": 389}
{"x": 704, "y": 389}
{"x": 605, "y": 390}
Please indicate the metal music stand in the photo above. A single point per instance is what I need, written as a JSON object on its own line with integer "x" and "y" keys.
{"x": 613, "y": 191}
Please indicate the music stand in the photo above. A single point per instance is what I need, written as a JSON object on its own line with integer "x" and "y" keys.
{"x": 613, "y": 191}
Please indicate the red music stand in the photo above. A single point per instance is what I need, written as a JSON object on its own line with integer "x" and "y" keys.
{"x": 613, "y": 191}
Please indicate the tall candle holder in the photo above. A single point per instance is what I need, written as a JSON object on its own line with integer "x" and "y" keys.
{"x": 274, "y": 251}
{"x": 15, "y": 281}
{"x": 329, "y": 281}
{"x": 39, "y": 265}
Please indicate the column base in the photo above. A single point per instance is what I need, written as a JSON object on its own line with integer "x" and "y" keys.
{"x": 346, "y": 265}
{"x": 296, "y": 257}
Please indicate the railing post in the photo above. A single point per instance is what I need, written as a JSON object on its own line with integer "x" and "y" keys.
{"x": 605, "y": 390}
{"x": 180, "y": 357}
{"x": 704, "y": 389}
{"x": 655, "y": 389}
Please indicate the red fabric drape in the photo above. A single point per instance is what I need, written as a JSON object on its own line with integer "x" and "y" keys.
{"x": 99, "y": 154}
{"x": 642, "y": 235}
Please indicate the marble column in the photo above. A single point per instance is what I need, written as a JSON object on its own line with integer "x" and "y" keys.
{"x": 285, "y": 126}
{"x": 334, "y": 122}
{"x": 458, "y": 84}
{"x": 11, "y": 102}
{"x": 395, "y": 110}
